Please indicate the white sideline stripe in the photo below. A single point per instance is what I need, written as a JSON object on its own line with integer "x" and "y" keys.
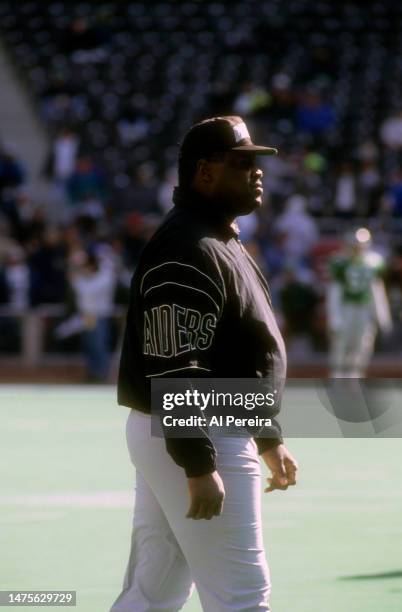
{"x": 187, "y": 287}
{"x": 71, "y": 499}
{"x": 178, "y": 370}
{"x": 30, "y": 515}
{"x": 178, "y": 263}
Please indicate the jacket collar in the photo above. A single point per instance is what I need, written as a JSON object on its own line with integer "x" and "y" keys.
{"x": 207, "y": 210}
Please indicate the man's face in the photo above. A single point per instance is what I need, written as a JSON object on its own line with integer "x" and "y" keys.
{"x": 236, "y": 182}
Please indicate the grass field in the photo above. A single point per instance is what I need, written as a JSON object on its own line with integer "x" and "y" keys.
{"x": 334, "y": 542}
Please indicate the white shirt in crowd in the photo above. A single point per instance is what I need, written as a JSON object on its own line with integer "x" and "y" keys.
{"x": 95, "y": 292}
{"x": 298, "y": 227}
{"x": 17, "y": 279}
{"x": 65, "y": 153}
{"x": 391, "y": 132}
{"x": 345, "y": 193}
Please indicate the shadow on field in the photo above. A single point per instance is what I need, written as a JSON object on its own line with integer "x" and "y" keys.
{"x": 382, "y": 576}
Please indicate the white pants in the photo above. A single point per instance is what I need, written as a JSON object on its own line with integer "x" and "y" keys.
{"x": 224, "y": 557}
{"x": 352, "y": 346}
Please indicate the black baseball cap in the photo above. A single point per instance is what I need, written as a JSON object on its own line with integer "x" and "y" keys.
{"x": 220, "y": 134}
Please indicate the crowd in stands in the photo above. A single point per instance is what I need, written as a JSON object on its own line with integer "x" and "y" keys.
{"x": 118, "y": 85}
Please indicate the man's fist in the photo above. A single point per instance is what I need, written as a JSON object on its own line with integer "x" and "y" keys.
{"x": 206, "y": 496}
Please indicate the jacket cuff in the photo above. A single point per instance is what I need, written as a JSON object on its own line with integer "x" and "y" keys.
{"x": 197, "y": 456}
{"x": 201, "y": 469}
{"x": 264, "y": 444}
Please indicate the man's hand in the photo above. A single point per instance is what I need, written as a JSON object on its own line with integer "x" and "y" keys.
{"x": 206, "y": 496}
{"x": 283, "y": 467}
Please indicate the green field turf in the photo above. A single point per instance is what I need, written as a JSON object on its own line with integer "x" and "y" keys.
{"x": 334, "y": 542}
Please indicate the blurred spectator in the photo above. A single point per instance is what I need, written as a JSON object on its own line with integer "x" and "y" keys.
{"x": 94, "y": 287}
{"x": 47, "y": 265}
{"x": 85, "y": 41}
{"x": 278, "y": 179}
{"x": 109, "y": 255}
{"x": 314, "y": 161}
{"x": 394, "y": 283}
{"x": 58, "y": 97}
{"x": 26, "y": 218}
{"x": 90, "y": 209}
{"x": 17, "y": 280}
{"x": 148, "y": 90}
{"x": 3, "y": 288}
{"x": 252, "y": 100}
{"x": 274, "y": 254}
{"x": 133, "y": 234}
{"x": 7, "y": 242}
{"x": 312, "y": 181}
{"x": 320, "y": 254}
{"x": 313, "y": 115}
{"x": 367, "y": 151}
{"x": 282, "y": 104}
{"x": 63, "y": 156}
{"x": 142, "y": 194}
{"x": 132, "y": 126}
{"x": 391, "y": 131}
{"x": 12, "y": 176}
{"x": 74, "y": 245}
{"x": 394, "y": 194}
{"x": 86, "y": 183}
{"x": 299, "y": 229}
{"x": 14, "y": 294}
{"x": 345, "y": 192}
{"x": 370, "y": 188}
{"x": 298, "y": 301}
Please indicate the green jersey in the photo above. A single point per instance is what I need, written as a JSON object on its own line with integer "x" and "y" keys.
{"x": 356, "y": 275}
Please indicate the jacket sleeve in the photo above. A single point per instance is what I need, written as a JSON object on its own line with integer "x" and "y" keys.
{"x": 270, "y": 437}
{"x": 264, "y": 444}
{"x": 181, "y": 303}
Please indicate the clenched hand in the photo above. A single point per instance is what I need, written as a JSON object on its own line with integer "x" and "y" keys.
{"x": 206, "y": 496}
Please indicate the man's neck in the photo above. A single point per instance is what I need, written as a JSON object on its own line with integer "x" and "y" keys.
{"x": 207, "y": 207}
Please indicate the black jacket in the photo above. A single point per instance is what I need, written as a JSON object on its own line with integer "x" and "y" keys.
{"x": 199, "y": 306}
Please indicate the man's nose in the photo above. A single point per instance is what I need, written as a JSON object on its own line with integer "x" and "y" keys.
{"x": 257, "y": 172}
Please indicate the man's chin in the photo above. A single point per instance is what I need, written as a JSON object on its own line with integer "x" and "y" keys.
{"x": 252, "y": 205}
{"x": 246, "y": 211}
{"x": 245, "y": 207}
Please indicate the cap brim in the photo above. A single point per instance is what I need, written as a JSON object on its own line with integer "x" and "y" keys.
{"x": 256, "y": 149}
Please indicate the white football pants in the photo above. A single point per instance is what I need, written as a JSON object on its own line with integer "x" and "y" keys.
{"x": 352, "y": 345}
{"x": 223, "y": 557}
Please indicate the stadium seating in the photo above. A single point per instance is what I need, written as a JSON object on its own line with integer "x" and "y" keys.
{"x": 164, "y": 63}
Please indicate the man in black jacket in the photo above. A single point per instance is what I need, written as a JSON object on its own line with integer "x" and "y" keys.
{"x": 200, "y": 307}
